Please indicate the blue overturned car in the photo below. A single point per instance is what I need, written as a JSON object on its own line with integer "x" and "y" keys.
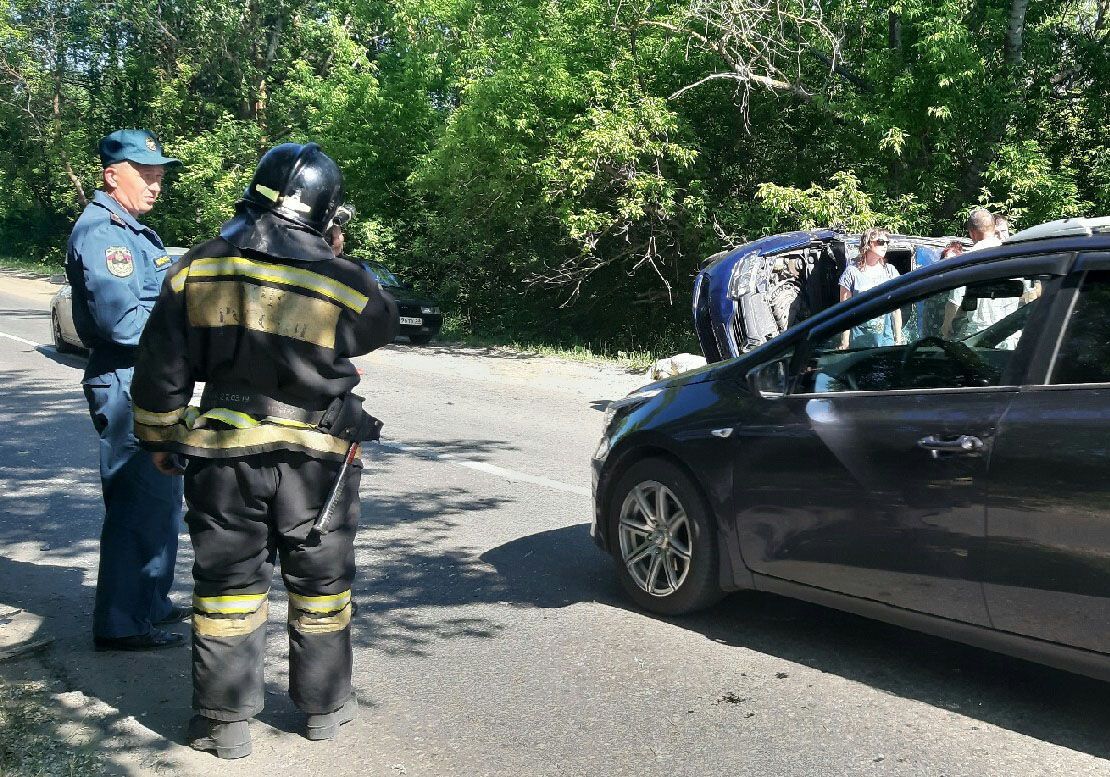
{"x": 746, "y": 296}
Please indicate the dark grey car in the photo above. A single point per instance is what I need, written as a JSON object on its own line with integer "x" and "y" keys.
{"x": 957, "y": 483}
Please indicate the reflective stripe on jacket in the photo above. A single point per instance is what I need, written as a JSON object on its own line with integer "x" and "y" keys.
{"x": 236, "y": 318}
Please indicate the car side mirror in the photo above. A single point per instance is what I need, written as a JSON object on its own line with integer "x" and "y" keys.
{"x": 769, "y": 380}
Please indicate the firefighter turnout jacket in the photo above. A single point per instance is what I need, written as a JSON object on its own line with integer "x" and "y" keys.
{"x": 278, "y": 334}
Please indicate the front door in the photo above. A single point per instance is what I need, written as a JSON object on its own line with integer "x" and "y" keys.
{"x": 870, "y": 478}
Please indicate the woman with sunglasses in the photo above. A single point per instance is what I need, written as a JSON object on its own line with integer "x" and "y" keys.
{"x": 869, "y": 270}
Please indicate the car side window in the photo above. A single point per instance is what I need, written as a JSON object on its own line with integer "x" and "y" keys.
{"x": 954, "y": 338}
{"x": 1084, "y": 355}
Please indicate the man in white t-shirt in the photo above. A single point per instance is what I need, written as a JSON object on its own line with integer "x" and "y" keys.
{"x": 981, "y": 229}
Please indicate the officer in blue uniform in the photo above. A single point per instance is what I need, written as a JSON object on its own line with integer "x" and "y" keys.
{"x": 116, "y": 266}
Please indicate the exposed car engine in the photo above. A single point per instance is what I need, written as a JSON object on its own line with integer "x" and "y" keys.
{"x": 776, "y": 291}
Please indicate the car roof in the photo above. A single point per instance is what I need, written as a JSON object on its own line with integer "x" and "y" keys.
{"x": 786, "y": 241}
{"x": 1074, "y": 227}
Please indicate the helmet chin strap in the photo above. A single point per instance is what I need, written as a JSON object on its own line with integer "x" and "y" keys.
{"x": 253, "y": 229}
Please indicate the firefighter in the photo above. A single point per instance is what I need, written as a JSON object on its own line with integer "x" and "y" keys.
{"x": 116, "y": 265}
{"x": 269, "y": 318}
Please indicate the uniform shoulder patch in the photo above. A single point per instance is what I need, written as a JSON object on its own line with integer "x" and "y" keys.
{"x": 119, "y": 260}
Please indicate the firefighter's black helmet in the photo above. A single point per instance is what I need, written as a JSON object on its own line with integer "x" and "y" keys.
{"x": 299, "y": 183}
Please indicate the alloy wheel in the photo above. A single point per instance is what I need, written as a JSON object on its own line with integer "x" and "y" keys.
{"x": 655, "y": 538}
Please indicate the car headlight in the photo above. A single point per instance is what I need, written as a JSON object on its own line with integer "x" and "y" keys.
{"x": 633, "y": 399}
{"x": 429, "y": 311}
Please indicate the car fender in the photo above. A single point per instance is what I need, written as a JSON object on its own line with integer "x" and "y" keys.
{"x": 733, "y": 574}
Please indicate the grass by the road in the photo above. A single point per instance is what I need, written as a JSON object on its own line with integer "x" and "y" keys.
{"x": 29, "y": 265}
{"x": 585, "y": 352}
{"x": 31, "y": 743}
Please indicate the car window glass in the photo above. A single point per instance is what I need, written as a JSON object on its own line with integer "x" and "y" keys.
{"x": 955, "y": 338}
{"x": 384, "y": 276}
{"x": 1084, "y": 355}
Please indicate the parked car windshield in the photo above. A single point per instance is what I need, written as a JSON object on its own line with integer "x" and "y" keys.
{"x": 384, "y": 276}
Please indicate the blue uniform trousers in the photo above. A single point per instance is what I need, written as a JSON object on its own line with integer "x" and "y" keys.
{"x": 143, "y": 509}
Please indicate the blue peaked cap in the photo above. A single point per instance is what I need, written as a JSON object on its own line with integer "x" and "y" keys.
{"x": 134, "y": 145}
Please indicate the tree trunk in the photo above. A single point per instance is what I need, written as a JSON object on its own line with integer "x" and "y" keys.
{"x": 79, "y": 190}
{"x": 1015, "y": 32}
{"x": 894, "y": 31}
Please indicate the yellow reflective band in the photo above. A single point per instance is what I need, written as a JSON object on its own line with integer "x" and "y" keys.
{"x": 151, "y": 418}
{"x": 266, "y": 192}
{"x": 273, "y": 419}
{"x": 330, "y": 603}
{"x": 311, "y": 623}
{"x": 192, "y": 413}
{"x": 235, "y": 626}
{"x": 229, "y": 440}
{"x": 237, "y": 603}
{"x": 177, "y": 282}
{"x": 283, "y": 312}
{"x": 231, "y": 418}
{"x": 282, "y": 274}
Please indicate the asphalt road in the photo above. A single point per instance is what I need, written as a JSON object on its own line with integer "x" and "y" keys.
{"x": 492, "y": 637}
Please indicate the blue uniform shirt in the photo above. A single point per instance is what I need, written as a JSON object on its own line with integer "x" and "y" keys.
{"x": 115, "y": 266}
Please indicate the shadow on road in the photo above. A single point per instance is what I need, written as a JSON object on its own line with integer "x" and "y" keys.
{"x": 562, "y": 567}
{"x": 417, "y": 586}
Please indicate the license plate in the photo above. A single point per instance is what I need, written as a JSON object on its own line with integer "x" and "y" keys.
{"x": 409, "y": 321}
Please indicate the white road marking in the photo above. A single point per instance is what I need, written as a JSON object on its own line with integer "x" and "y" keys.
{"x": 451, "y": 458}
{"x": 489, "y": 469}
{"x": 20, "y": 340}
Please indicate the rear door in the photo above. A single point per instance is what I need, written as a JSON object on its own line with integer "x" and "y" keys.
{"x": 1048, "y": 513}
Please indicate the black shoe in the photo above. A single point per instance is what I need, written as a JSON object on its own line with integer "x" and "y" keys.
{"x": 230, "y": 739}
{"x": 176, "y": 615}
{"x": 155, "y": 640}
{"x": 326, "y": 726}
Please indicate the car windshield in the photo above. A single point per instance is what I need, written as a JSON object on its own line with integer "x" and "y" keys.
{"x": 384, "y": 276}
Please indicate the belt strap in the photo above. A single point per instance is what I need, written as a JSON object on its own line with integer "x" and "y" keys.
{"x": 255, "y": 403}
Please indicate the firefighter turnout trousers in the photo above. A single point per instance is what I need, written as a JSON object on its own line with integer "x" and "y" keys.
{"x": 243, "y": 514}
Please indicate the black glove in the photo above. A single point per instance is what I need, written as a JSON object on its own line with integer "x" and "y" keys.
{"x": 346, "y": 420}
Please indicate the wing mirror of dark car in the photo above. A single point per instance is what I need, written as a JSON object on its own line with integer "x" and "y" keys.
{"x": 769, "y": 380}
{"x": 1005, "y": 289}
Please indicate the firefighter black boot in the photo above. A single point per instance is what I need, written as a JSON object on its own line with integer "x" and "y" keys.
{"x": 227, "y": 739}
{"x": 326, "y": 726}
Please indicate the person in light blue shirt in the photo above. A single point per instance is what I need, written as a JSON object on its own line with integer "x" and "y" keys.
{"x": 115, "y": 265}
{"x": 869, "y": 270}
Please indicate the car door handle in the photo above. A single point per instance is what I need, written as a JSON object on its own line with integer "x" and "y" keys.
{"x": 964, "y": 444}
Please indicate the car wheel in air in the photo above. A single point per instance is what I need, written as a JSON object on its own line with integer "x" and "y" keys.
{"x": 664, "y": 539}
{"x": 60, "y": 344}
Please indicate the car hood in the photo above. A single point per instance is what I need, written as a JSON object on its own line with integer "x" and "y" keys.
{"x": 401, "y": 295}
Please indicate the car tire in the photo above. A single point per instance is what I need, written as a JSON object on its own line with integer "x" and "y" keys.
{"x": 60, "y": 344}
{"x": 667, "y": 570}
{"x": 422, "y": 339}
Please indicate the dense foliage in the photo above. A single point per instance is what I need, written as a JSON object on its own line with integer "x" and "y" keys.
{"x": 559, "y": 169}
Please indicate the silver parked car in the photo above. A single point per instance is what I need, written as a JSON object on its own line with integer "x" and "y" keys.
{"x": 66, "y": 339}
